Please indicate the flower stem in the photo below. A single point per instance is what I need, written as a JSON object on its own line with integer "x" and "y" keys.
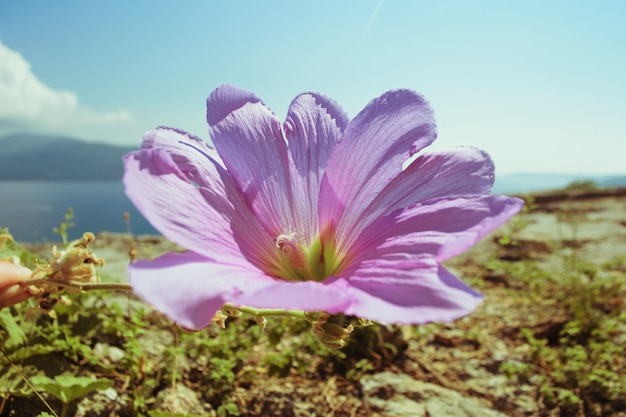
{"x": 268, "y": 312}
{"x": 123, "y": 286}
{"x": 112, "y": 286}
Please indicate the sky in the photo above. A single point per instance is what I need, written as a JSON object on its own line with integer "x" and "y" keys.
{"x": 539, "y": 85}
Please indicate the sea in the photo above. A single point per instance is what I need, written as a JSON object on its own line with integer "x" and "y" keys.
{"x": 31, "y": 209}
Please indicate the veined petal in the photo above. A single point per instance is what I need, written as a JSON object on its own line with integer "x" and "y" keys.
{"x": 249, "y": 139}
{"x": 370, "y": 155}
{"x": 441, "y": 227}
{"x": 190, "y": 288}
{"x": 208, "y": 217}
{"x": 410, "y": 293}
{"x": 313, "y": 127}
{"x": 190, "y": 152}
{"x": 331, "y": 295}
{"x": 462, "y": 171}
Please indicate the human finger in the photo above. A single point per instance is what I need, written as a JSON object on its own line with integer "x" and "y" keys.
{"x": 13, "y": 295}
{"x": 11, "y": 274}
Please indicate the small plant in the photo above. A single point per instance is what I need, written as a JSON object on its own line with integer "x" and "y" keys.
{"x": 507, "y": 236}
{"x": 585, "y": 363}
{"x": 69, "y": 388}
{"x": 65, "y": 225}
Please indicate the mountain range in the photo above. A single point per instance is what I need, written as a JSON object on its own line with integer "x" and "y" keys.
{"x": 28, "y": 156}
{"x": 57, "y": 158}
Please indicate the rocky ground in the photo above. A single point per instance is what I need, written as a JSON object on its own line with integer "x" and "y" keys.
{"x": 483, "y": 365}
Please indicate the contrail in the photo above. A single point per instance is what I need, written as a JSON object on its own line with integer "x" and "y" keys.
{"x": 370, "y": 22}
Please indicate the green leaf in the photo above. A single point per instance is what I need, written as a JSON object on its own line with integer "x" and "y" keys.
{"x": 9, "y": 248}
{"x": 68, "y": 388}
{"x": 17, "y": 337}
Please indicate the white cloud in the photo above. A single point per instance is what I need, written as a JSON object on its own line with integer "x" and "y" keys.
{"x": 25, "y": 102}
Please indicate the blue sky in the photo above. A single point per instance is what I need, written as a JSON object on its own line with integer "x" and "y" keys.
{"x": 539, "y": 85}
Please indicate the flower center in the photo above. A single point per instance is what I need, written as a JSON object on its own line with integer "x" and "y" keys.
{"x": 315, "y": 263}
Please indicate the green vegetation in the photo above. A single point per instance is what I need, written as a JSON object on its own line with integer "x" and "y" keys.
{"x": 65, "y": 225}
{"x": 105, "y": 340}
{"x": 565, "y": 343}
{"x": 582, "y": 186}
{"x": 578, "y": 366}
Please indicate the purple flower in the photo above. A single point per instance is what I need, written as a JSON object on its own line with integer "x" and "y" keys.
{"x": 319, "y": 215}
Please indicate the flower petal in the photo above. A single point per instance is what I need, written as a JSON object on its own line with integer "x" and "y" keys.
{"x": 410, "y": 293}
{"x": 313, "y": 127}
{"x": 198, "y": 208}
{"x": 442, "y": 227}
{"x": 190, "y": 288}
{"x": 371, "y": 153}
{"x": 331, "y": 295}
{"x": 192, "y": 155}
{"x": 462, "y": 171}
{"x": 249, "y": 139}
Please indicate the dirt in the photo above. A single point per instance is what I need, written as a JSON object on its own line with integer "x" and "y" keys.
{"x": 462, "y": 358}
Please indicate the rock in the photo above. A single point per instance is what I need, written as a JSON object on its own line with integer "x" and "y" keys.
{"x": 105, "y": 403}
{"x": 109, "y": 354}
{"x": 180, "y": 399}
{"x": 395, "y": 395}
{"x": 154, "y": 341}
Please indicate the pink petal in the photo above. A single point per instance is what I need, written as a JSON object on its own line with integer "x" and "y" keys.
{"x": 198, "y": 208}
{"x": 314, "y": 125}
{"x": 192, "y": 154}
{"x": 370, "y": 155}
{"x": 462, "y": 171}
{"x": 441, "y": 227}
{"x": 331, "y": 295}
{"x": 190, "y": 288}
{"x": 410, "y": 293}
{"x": 248, "y": 137}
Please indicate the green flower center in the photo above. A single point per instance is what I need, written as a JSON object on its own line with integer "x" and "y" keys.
{"x": 314, "y": 263}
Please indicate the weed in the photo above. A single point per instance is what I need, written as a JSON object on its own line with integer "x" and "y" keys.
{"x": 65, "y": 225}
{"x": 586, "y": 363}
{"x": 508, "y": 235}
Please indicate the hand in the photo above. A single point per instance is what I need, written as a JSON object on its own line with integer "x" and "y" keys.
{"x": 11, "y": 292}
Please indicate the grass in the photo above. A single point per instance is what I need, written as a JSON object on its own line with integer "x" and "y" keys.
{"x": 580, "y": 370}
{"x": 569, "y": 342}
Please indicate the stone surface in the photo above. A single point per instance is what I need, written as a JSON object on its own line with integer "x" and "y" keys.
{"x": 105, "y": 403}
{"x": 180, "y": 399}
{"x": 397, "y": 395}
{"x": 109, "y": 354}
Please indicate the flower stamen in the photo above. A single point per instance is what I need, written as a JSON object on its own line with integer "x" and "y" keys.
{"x": 313, "y": 263}
{"x": 294, "y": 255}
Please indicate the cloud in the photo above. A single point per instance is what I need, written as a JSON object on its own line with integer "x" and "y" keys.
{"x": 26, "y": 102}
